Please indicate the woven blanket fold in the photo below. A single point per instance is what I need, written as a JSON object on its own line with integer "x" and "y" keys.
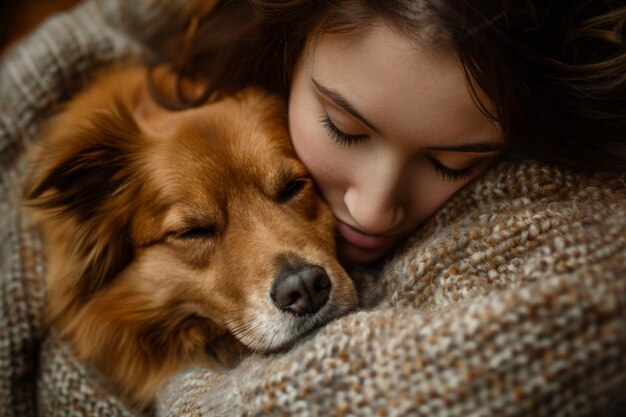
{"x": 510, "y": 301}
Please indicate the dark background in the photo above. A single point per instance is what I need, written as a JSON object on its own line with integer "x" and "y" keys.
{"x": 19, "y": 17}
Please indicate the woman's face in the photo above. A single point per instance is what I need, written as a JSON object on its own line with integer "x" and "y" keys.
{"x": 389, "y": 131}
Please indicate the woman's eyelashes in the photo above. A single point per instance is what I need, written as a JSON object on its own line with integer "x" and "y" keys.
{"x": 449, "y": 174}
{"x": 339, "y": 136}
{"x": 342, "y": 138}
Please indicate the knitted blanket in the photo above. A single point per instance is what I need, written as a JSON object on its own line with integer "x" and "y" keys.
{"x": 510, "y": 301}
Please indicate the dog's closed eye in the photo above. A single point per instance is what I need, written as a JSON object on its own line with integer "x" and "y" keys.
{"x": 203, "y": 232}
{"x": 291, "y": 189}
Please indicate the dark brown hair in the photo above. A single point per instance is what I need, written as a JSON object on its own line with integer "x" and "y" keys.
{"x": 555, "y": 70}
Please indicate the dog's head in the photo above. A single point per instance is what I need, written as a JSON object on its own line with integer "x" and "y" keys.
{"x": 175, "y": 228}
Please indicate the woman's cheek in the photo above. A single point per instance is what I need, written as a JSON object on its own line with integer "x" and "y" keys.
{"x": 311, "y": 143}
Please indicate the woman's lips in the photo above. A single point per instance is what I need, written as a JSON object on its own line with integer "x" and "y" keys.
{"x": 360, "y": 239}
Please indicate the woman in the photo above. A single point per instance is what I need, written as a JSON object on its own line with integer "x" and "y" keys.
{"x": 396, "y": 105}
{"x": 508, "y": 297}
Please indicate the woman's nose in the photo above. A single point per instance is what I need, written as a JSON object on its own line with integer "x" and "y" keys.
{"x": 375, "y": 207}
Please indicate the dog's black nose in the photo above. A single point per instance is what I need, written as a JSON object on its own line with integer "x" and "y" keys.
{"x": 303, "y": 289}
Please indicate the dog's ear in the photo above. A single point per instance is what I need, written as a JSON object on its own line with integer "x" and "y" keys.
{"x": 82, "y": 179}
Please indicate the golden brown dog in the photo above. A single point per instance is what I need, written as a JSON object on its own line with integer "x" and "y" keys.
{"x": 179, "y": 237}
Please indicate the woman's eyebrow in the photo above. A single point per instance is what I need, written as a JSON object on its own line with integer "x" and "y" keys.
{"x": 478, "y": 147}
{"x": 341, "y": 101}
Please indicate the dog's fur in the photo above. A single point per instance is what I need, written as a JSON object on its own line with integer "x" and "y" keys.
{"x": 165, "y": 230}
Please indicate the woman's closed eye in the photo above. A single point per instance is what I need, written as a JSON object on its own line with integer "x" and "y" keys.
{"x": 449, "y": 174}
{"x": 345, "y": 139}
{"x": 338, "y": 135}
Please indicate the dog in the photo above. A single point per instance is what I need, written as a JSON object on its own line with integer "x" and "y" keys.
{"x": 179, "y": 237}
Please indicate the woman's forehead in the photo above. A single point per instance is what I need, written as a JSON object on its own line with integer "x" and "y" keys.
{"x": 407, "y": 89}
